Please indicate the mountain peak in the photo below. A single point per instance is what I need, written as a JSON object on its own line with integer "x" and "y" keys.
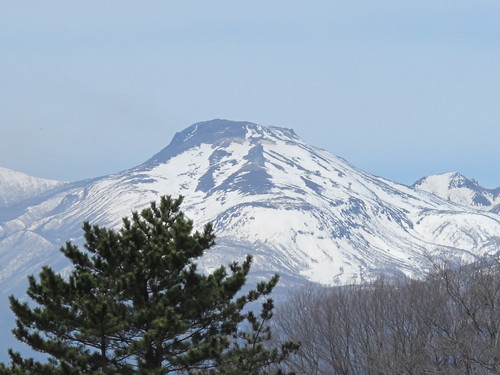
{"x": 16, "y": 186}
{"x": 457, "y": 188}
{"x": 457, "y": 180}
{"x": 217, "y": 132}
{"x": 448, "y": 180}
{"x": 300, "y": 210}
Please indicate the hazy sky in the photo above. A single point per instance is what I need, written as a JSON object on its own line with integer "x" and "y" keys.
{"x": 401, "y": 89}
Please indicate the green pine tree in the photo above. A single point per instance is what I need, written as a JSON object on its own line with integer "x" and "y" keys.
{"x": 250, "y": 352}
{"x": 134, "y": 302}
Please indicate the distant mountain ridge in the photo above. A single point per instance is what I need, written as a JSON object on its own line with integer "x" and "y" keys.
{"x": 459, "y": 189}
{"x": 16, "y": 186}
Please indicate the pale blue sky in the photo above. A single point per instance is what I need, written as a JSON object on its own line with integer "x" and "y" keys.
{"x": 401, "y": 89}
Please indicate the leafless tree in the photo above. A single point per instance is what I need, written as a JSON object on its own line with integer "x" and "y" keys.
{"x": 447, "y": 323}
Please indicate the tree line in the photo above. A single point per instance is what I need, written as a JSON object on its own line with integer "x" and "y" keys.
{"x": 447, "y": 323}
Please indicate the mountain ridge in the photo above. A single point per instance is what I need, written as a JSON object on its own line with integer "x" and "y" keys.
{"x": 457, "y": 188}
{"x": 300, "y": 210}
{"x": 16, "y": 186}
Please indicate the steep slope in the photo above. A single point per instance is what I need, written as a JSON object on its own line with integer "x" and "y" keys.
{"x": 299, "y": 210}
{"x": 459, "y": 189}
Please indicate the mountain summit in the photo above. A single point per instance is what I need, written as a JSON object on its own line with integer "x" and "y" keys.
{"x": 215, "y": 132}
{"x": 459, "y": 189}
{"x": 301, "y": 211}
{"x": 17, "y": 186}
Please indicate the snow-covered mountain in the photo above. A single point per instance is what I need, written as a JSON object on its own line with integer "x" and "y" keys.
{"x": 16, "y": 187}
{"x": 301, "y": 211}
{"x": 459, "y": 189}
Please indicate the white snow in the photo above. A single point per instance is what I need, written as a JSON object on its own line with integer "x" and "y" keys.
{"x": 16, "y": 186}
{"x": 450, "y": 186}
{"x": 322, "y": 219}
